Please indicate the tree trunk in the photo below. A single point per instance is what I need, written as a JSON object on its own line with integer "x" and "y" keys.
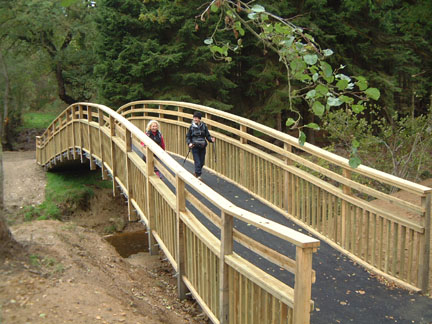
{"x": 5, "y": 114}
{"x": 7, "y": 243}
{"x": 61, "y": 86}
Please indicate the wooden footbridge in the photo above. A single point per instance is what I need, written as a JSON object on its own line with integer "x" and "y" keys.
{"x": 310, "y": 186}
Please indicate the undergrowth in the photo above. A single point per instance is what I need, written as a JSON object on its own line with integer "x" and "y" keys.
{"x": 37, "y": 120}
{"x": 66, "y": 192}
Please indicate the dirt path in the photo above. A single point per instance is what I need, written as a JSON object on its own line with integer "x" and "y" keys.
{"x": 67, "y": 273}
{"x": 24, "y": 180}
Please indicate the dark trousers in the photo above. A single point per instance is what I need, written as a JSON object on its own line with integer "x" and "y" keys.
{"x": 199, "y": 159}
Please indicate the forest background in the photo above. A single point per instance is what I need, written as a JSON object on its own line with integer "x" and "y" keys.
{"x": 55, "y": 53}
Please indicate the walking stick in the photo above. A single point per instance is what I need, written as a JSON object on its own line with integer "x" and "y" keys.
{"x": 186, "y": 156}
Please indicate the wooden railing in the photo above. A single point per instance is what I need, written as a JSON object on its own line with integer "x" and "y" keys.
{"x": 313, "y": 187}
{"x": 229, "y": 288}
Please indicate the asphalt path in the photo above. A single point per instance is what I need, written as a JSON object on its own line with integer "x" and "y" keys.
{"x": 344, "y": 292}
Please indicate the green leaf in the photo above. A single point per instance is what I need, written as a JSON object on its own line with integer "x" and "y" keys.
{"x": 346, "y": 99}
{"x": 252, "y": 15}
{"x": 302, "y": 138}
{"x": 311, "y": 94}
{"x": 321, "y": 89}
{"x": 327, "y": 69}
{"x": 354, "y": 162}
{"x": 315, "y": 77}
{"x": 310, "y": 59}
{"x": 208, "y": 41}
{"x": 362, "y": 85}
{"x": 257, "y": 8}
{"x": 214, "y": 8}
{"x": 313, "y": 126}
{"x": 318, "y": 108}
{"x": 342, "y": 84}
{"x": 288, "y": 42}
{"x": 297, "y": 65}
{"x": 289, "y": 122}
{"x": 373, "y": 93}
{"x": 357, "y": 108}
{"x": 67, "y": 3}
{"x": 334, "y": 102}
{"x": 355, "y": 143}
{"x": 327, "y": 52}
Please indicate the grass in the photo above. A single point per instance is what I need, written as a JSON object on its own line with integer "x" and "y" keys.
{"x": 38, "y": 120}
{"x": 66, "y": 191}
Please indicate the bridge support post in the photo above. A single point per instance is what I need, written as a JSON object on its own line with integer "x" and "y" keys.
{"x": 303, "y": 285}
{"x": 81, "y": 139}
{"x": 226, "y": 249}
{"x": 287, "y": 194}
{"x": 243, "y": 168}
{"x": 69, "y": 127}
{"x": 153, "y": 249}
{"x": 101, "y": 147}
{"x": 181, "y": 208}
{"x": 89, "y": 119}
{"x": 424, "y": 255}
{"x": 73, "y": 111}
{"x": 113, "y": 160}
{"x": 128, "y": 137}
{"x": 344, "y": 238}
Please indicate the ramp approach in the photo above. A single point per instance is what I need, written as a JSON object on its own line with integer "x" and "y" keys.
{"x": 309, "y": 186}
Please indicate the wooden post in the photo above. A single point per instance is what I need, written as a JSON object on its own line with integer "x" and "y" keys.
{"x": 161, "y": 107}
{"x": 101, "y": 147}
{"x": 181, "y": 208}
{"x": 128, "y": 138}
{"x": 80, "y": 116}
{"x": 181, "y": 140}
{"x": 346, "y": 190}
{"x": 287, "y": 193}
{"x": 151, "y": 206}
{"x": 68, "y": 133}
{"x": 303, "y": 285}
{"x": 226, "y": 249}
{"x": 73, "y": 133}
{"x": 89, "y": 119}
{"x": 60, "y": 138}
{"x": 113, "y": 160}
{"x": 55, "y": 142}
{"x": 424, "y": 257}
{"x": 243, "y": 168}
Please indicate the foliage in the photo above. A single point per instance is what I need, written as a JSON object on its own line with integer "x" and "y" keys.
{"x": 61, "y": 36}
{"x": 402, "y": 148}
{"x": 153, "y": 49}
{"x": 37, "y": 120}
{"x": 65, "y": 192}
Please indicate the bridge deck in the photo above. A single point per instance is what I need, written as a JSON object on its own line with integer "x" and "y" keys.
{"x": 344, "y": 291}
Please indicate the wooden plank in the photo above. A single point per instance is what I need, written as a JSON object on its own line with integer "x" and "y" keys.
{"x": 303, "y": 285}
{"x": 261, "y": 278}
{"x": 225, "y": 250}
{"x": 180, "y": 207}
{"x": 425, "y": 259}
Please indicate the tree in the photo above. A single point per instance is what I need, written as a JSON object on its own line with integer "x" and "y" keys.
{"x": 154, "y": 49}
{"x": 63, "y": 31}
{"x": 309, "y": 76}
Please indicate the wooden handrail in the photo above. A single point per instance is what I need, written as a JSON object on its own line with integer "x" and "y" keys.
{"x": 72, "y": 132}
{"x": 309, "y": 148}
{"x": 320, "y": 192}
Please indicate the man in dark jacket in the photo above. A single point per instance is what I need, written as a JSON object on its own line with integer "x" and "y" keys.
{"x": 196, "y": 138}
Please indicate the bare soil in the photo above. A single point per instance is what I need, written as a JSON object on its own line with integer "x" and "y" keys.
{"x": 66, "y": 272}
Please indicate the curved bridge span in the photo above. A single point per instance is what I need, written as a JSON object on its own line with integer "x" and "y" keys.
{"x": 198, "y": 229}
